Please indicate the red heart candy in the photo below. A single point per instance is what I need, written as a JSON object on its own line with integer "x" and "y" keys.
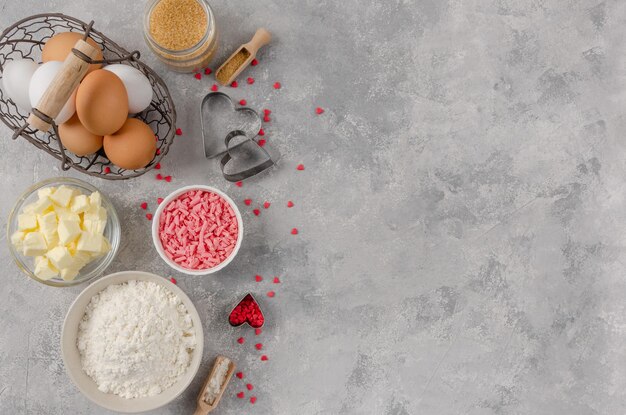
{"x": 266, "y": 205}
{"x": 207, "y": 71}
{"x": 214, "y": 87}
{"x": 290, "y": 204}
{"x": 254, "y": 62}
{"x": 144, "y": 206}
{"x": 248, "y": 202}
{"x": 198, "y": 76}
{"x": 239, "y": 375}
{"x": 247, "y": 311}
{"x": 241, "y": 395}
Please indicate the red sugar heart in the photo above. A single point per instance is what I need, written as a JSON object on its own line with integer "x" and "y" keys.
{"x": 271, "y": 294}
{"x": 256, "y": 212}
{"x": 144, "y": 206}
{"x": 267, "y": 112}
{"x": 158, "y": 151}
{"x": 276, "y": 280}
{"x": 234, "y": 84}
{"x": 247, "y": 311}
{"x": 248, "y": 202}
{"x": 262, "y": 142}
{"x": 294, "y": 231}
{"x": 264, "y": 358}
{"x": 168, "y": 178}
{"x": 277, "y": 85}
{"x": 107, "y": 170}
{"x": 257, "y": 331}
{"x": 179, "y": 131}
{"x": 290, "y": 204}
{"x": 239, "y": 375}
{"x": 258, "y": 278}
{"x": 241, "y": 340}
{"x": 159, "y": 200}
{"x": 267, "y": 118}
{"x": 261, "y": 132}
{"x": 239, "y": 184}
{"x": 249, "y": 386}
{"x": 300, "y": 167}
{"x": 254, "y": 62}
{"x": 149, "y": 216}
{"x": 259, "y": 346}
{"x": 207, "y": 71}
{"x": 173, "y": 280}
{"x": 159, "y": 176}
{"x": 250, "y": 80}
{"x": 242, "y": 102}
{"x": 266, "y": 205}
{"x": 253, "y": 399}
{"x": 214, "y": 88}
{"x": 158, "y": 166}
{"x": 319, "y": 110}
{"x": 198, "y": 76}
{"x": 241, "y": 395}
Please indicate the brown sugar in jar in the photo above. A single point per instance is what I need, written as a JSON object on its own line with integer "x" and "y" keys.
{"x": 182, "y": 33}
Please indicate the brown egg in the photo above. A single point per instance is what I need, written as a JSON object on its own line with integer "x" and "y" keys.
{"x": 78, "y": 139}
{"x": 102, "y": 102}
{"x": 59, "y": 46}
{"x": 132, "y": 147}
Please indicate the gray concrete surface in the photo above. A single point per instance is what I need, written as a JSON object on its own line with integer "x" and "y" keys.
{"x": 461, "y": 215}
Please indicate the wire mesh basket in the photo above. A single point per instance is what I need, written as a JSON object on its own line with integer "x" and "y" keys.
{"x": 25, "y": 40}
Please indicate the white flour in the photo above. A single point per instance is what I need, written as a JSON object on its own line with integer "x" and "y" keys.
{"x": 136, "y": 339}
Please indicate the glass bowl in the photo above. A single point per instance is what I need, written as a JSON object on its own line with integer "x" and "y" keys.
{"x": 112, "y": 232}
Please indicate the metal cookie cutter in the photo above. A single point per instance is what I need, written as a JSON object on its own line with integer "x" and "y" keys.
{"x": 247, "y": 311}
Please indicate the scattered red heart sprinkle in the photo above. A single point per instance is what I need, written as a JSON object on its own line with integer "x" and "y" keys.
{"x": 207, "y": 71}
{"x": 149, "y": 216}
{"x": 300, "y": 167}
{"x": 239, "y": 184}
{"x": 267, "y": 118}
{"x": 261, "y": 132}
{"x": 214, "y": 87}
{"x": 158, "y": 151}
{"x": 159, "y": 200}
{"x": 267, "y": 112}
{"x": 159, "y": 176}
{"x": 258, "y": 278}
{"x": 234, "y": 84}
{"x": 239, "y": 375}
{"x": 168, "y": 178}
{"x": 276, "y": 280}
{"x": 198, "y": 76}
{"x": 290, "y": 204}
{"x": 249, "y": 386}
{"x": 258, "y": 331}
{"x": 107, "y": 170}
{"x": 179, "y": 131}
{"x": 250, "y": 80}
{"x": 262, "y": 142}
{"x": 173, "y": 280}
{"x": 253, "y": 399}
{"x": 158, "y": 166}
{"x": 241, "y": 395}
{"x": 241, "y": 340}
{"x": 144, "y": 206}
{"x": 271, "y": 294}
{"x": 277, "y": 85}
{"x": 242, "y": 102}
{"x": 266, "y": 205}
{"x": 256, "y": 212}
{"x": 156, "y": 138}
{"x": 248, "y": 202}
{"x": 259, "y": 346}
{"x": 319, "y": 110}
{"x": 264, "y": 358}
{"x": 254, "y": 62}
{"x": 294, "y": 231}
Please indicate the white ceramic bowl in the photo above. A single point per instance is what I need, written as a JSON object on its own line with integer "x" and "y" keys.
{"x": 71, "y": 355}
{"x": 159, "y": 247}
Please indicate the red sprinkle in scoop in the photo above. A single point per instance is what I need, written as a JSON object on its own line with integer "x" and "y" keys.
{"x": 247, "y": 311}
{"x": 198, "y": 230}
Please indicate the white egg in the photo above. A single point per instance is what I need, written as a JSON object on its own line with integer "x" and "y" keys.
{"x": 16, "y": 80}
{"x": 137, "y": 86}
{"x": 42, "y": 77}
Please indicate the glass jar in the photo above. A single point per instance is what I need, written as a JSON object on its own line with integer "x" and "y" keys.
{"x": 179, "y": 59}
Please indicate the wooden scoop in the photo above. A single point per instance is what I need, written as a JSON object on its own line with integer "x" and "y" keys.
{"x": 242, "y": 57}
{"x": 204, "y": 406}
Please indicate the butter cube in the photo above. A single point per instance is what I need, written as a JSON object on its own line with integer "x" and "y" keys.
{"x": 90, "y": 242}
{"x": 68, "y": 274}
{"x": 66, "y": 214}
{"x": 82, "y": 258}
{"x": 63, "y": 196}
{"x": 47, "y": 223}
{"x": 96, "y": 213}
{"x": 44, "y": 270}
{"x": 80, "y": 204}
{"x": 46, "y": 192}
{"x": 40, "y": 206}
{"x": 95, "y": 200}
{"x": 17, "y": 239}
{"x": 34, "y": 244}
{"x": 60, "y": 257}
{"x": 52, "y": 240}
{"x": 68, "y": 231}
{"x": 94, "y": 226}
{"x": 26, "y": 222}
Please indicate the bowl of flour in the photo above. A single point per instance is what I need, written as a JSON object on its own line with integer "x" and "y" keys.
{"x": 132, "y": 342}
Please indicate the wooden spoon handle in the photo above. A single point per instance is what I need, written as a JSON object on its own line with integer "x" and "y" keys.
{"x": 63, "y": 85}
{"x": 261, "y": 38}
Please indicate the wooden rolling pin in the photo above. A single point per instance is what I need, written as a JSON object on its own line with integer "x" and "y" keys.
{"x": 215, "y": 385}
{"x": 62, "y": 86}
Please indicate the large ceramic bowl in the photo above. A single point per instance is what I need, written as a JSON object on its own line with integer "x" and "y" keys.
{"x": 96, "y": 268}
{"x": 71, "y": 355}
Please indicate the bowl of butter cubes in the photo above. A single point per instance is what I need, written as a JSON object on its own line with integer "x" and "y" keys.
{"x": 63, "y": 232}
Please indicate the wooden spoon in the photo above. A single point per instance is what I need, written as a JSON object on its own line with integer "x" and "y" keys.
{"x": 203, "y": 406}
{"x": 242, "y": 57}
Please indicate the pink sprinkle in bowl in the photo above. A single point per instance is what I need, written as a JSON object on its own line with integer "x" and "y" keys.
{"x": 159, "y": 246}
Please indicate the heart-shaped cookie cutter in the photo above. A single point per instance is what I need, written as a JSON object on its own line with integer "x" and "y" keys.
{"x": 248, "y": 297}
{"x": 257, "y": 168}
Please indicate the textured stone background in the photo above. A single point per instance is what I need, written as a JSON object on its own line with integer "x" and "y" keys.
{"x": 461, "y": 212}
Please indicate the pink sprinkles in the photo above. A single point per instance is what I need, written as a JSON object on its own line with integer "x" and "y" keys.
{"x": 198, "y": 230}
